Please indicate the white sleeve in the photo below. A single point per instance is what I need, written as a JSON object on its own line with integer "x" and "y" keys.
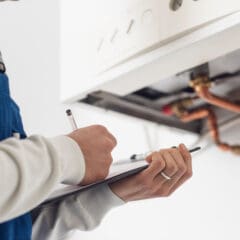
{"x": 83, "y": 212}
{"x": 31, "y": 168}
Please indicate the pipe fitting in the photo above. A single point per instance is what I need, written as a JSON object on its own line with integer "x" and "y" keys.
{"x": 201, "y": 86}
{"x": 199, "y": 82}
{"x": 235, "y": 149}
{"x": 212, "y": 126}
{"x": 178, "y": 108}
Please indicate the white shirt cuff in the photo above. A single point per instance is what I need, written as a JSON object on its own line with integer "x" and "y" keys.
{"x": 71, "y": 156}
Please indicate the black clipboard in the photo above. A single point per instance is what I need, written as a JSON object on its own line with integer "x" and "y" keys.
{"x": 72, "y": 190}
{"x": 131, "y": 169}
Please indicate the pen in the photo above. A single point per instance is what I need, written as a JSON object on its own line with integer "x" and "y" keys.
{"x": 71, "y": 119}
{"x": 142, "y": 157}
{"x": 138, "y": 157}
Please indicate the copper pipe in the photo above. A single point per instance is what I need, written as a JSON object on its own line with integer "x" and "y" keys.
{"x": 212, "y": 125}
{"x": 202, "y": 85}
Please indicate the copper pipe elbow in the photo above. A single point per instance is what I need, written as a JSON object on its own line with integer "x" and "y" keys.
{"x": 204, "y": 93}
{"x": 213, "y": 127}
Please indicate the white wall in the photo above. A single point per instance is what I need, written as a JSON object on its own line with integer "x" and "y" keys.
{"x": 205, "y": 208}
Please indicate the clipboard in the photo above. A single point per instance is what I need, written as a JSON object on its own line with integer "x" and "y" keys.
{"x": 117, "y": 172}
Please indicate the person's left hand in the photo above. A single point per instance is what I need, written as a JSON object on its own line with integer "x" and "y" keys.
{"x": 176, "y": 163}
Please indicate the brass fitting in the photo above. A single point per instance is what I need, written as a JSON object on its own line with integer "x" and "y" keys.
{"x": 180, "y": 107}
{"x": 202, "y": 81}
{"x": 235, "y": 149}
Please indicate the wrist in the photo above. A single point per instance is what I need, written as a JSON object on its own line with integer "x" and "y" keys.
{"x": 121, "y": 190}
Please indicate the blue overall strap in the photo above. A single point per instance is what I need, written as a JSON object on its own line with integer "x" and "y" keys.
{"x": 19, "y": 228}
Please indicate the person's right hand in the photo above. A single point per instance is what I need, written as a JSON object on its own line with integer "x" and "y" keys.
{"x": 96, "y": 143}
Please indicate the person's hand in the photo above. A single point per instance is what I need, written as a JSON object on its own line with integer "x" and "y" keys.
{"x": 175, "y": 163}
{"x": 96, "y": 144}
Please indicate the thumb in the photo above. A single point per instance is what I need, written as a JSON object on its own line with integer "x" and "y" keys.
{"x": 149, "y": 158}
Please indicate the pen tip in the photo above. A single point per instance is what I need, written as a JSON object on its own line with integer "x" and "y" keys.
{"x": 68, "y": 112}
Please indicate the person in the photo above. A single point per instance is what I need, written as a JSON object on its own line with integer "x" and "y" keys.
{"x": 31, "y": 167}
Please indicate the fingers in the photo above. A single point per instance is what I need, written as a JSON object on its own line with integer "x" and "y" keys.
{"x": 165, "y": 160}
{"x": 108, "y": 144}
{"x": 171, "y": 165}
{"x": 157, "y": 164}
{"x": 150, "y": 183}
{"x": 174, "y": 162}
{"x": 185, "y": 153}
{"x": 188, "y": 173}
{"x": 178, "y": 166}
{"x": 181, "y": 167}
{"x": 110, "y": 137}
{"x": 149, "y": 157}
{"x": 110, "y": 140}
{"x": 96, "y": 143}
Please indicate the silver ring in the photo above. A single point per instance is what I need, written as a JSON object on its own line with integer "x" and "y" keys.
{"x": 166, "y": 176}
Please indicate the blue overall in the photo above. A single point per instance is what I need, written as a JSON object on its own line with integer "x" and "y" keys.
{"x": 19, "y": 228}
